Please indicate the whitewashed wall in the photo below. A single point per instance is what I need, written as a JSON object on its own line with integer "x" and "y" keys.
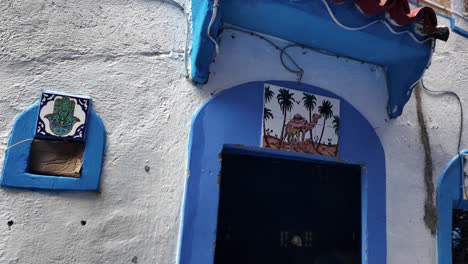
{"x": 128, "y": 56}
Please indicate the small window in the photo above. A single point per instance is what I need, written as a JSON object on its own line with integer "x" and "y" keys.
{"x": 460, "y": 237}
{"x": 57, "y": 144}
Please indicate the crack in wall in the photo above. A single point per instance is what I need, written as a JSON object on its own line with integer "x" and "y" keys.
{"x": 430, "y": 210}
{"x": 56, "y": 56}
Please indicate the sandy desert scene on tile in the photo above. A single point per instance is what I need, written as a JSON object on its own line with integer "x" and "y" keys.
{"x": 300, "y": 122}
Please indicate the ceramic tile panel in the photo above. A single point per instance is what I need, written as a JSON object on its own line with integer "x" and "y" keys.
{"x": 62, "y": 116}
{"x": 302, "y": 122}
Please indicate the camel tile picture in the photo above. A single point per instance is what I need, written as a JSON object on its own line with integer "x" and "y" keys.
{"x": 302, "y": 122}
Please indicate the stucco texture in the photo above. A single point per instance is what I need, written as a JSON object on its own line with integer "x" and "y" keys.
{"x": 128, "y": 56}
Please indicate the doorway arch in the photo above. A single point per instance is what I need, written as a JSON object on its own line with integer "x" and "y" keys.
{"x": 234, "y": 116}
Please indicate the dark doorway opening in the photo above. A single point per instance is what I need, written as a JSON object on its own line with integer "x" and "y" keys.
{"x": 459, "y": 236}
{"x": 287, "y": 211}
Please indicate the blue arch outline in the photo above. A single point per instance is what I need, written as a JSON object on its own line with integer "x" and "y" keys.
{"x": 234, "y": 117}
{"x": 15, "y": 173}
{"x": 449, "y": 197}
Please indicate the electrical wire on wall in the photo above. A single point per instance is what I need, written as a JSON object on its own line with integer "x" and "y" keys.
{"x": 299, "y": 71}
{"x": 210, "y": 25}
{"x": 18, "y": 143}
{"x": 430, "y": 210}
{"x": 461, "y": 127}
{"x": 455, "y": 95}
{"x": 283, "y": 54}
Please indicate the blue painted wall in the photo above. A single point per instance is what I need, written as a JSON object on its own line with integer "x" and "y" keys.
{"x": 235, "y": 117}
{"x": 15, "y": 173}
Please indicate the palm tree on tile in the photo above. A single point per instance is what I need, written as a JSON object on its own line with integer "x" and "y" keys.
{"x": 336, "y": 127}
{"x": 268, "y": 93}
{"x": 267, "y": 114}
{"x": 326, "y": 110}
{"x": 286, "y": 102}
{"x": 336, "y": 124}
{"x": 309, "y": 101}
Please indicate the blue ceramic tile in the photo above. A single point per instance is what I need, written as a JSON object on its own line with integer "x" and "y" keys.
{"x": 62, "y": 116}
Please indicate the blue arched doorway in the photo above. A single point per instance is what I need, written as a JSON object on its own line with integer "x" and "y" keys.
{"x": 234, "y": 118}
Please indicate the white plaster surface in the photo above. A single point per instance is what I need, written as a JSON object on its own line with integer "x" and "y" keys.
{"x": 128, "y": 56}
{"x": 461, "y": 18}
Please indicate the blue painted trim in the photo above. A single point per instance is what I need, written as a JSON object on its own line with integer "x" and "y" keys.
{"x": 274, "y": 153}
{"x": 453, "y": 25}
{"x": 234, "y": 116}
{"x": 404, "y": 59}
{"x": 449, "y": 197}
{"x": 458, "y": 30}
{"x": 15, "y": 173}
{"x": 202, "y": 47}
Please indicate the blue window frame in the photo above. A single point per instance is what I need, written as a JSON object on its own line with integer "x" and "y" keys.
{"x": 234, "y": 117}
{"x": 15, "y": 170}
{"x": 449, "y": 197}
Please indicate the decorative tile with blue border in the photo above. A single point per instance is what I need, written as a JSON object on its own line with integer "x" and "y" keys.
{"x": 62, "y": 116}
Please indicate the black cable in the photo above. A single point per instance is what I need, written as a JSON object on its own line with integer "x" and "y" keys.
{"x": 252, "y": 34}
{"x": 453, "y": 94}
{"x": 299, "y": 72}
{"x": 283, "y": 52}
{"x": 460, "y": 132}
